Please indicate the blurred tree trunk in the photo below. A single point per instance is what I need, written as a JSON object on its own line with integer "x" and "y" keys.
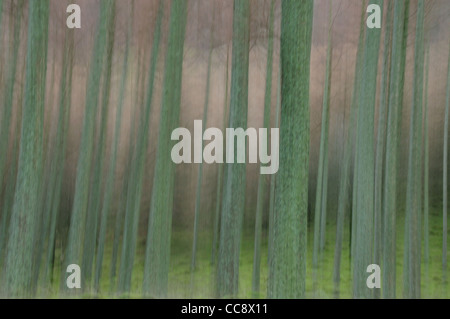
{"x": 220, "y": 170}
{"x": 272, "y": 188}
{"x": 157, "y": 252}
{"x": 74, "y": 251}
{"x": 322, "y": 174}
{"x": 262, "y": 179}
{"x": 19, "y": 259}
{"x": 198, "y": 191}
{"x": 381, "y": 139}
{"x": 5, "y": 124}
{"x": 134, "y": 191}
{"x": 445, "y": 180}
{"x": 120, "y": 214}
{"x": 10, "y": 81}
{"x": 426, "y": 178}
{"x": 288, "y": 263}
{"x": 111, "y": 175}
{"x": 11, "y": 178}
{"x": 344, "y": 183}
{"x": 365, "y": 163}
{"x": 58, "y": 159}
{"x": 401, "y": 12}
{"x": 412, "y": 245}
{"x": 355, "y": 101}
{"x": 90, "y": 237}
{"x": 233, "y": 202}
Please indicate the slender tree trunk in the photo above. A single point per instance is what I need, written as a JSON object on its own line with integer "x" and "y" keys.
{"x": 46, "y": 190}
{"x": 234, "y": 183}
{"x": 401, "y": 11}
{"x": 5, "y": 125}
{"x": 445, "y": 180}
{"x": 272, "y": 190}
{"x": 344, "y": 187}
{"x": 120, "y": 214}
{"x": 6, "y": 114}
{"x": 381, "y": 140}
{"x": 11, "y": 179}
{"x": 322, "y": 174}
{"x": 411, "y": 264}
{"x": 355, "y": 100}
{"x": 220, "y": 172}
{"x": 365, "y": 164}
{"x": 262, "y": 180}
{"x": 60, "y": 146}
{"x": 426, "y": 175}
{"x": 198, "y": 191}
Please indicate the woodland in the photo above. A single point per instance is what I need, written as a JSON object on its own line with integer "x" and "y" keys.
{"x": 87, "y": 176}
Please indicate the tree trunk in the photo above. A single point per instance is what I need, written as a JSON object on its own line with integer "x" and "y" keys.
{"x": 365, "y": 163}
{"x": 445, "y": 178}
{"x": 78, "y": 219}
{"x": 234, "y": 183}
{"x": 412, "y": 245}
{"x": 157, "y": 252}
{"x": 401, "y": 11}
{"x": 381, "y": 140}
{"x": 111, "y": 177}
{"x": 19, "y": 259}
{"x": 288, "y": 263}
{"x": 137, "y": 170}
{"x": 322, "y": 174}
{"x": 262, "y": 180}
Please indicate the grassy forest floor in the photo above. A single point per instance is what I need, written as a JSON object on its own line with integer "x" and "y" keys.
{"x": 203, "y": 284}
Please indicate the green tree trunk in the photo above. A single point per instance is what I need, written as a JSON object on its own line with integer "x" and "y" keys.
{"x": 220, "y": 171}
{"x": 73, "y": 254}
{"x": 11, "y": 180}
{"x": 8, "y": 97}
{"x": 120, "y": 214}
{"x": 426, "y": 195}
{"x": 288, "y": 263}
{"x": 61, "y": 144}
{"x": 344, "y": 182}
{"x": 365, "y": 163}
{"x": 412, "y": 246}
{"x": 94, "y": 207}
{"x": 233, "y": 202}
{"x": 355, "y": 100}
{"x": 322, "y": 174}
{"x": 272, "y": 188}
{"x": 445, "y": 178}
{"x": 137, "y": 169}
{"x": 111, "y": 175}
{"x": 401, "y": 11}
{"x": 157, "y": 252}
{"x": 262, "y": 180}
{"x": 46, "y": 190}
{"x": 23, "y": 219}
{"x": 198, "y": 192}
{"x": 381, "y": 140}
{"x": 5, "y": 125}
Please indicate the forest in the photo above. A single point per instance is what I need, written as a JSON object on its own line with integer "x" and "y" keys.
{"x": 346, "y": 108}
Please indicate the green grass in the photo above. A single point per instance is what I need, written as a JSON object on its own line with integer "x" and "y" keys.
{"x": 203, "y": 283}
